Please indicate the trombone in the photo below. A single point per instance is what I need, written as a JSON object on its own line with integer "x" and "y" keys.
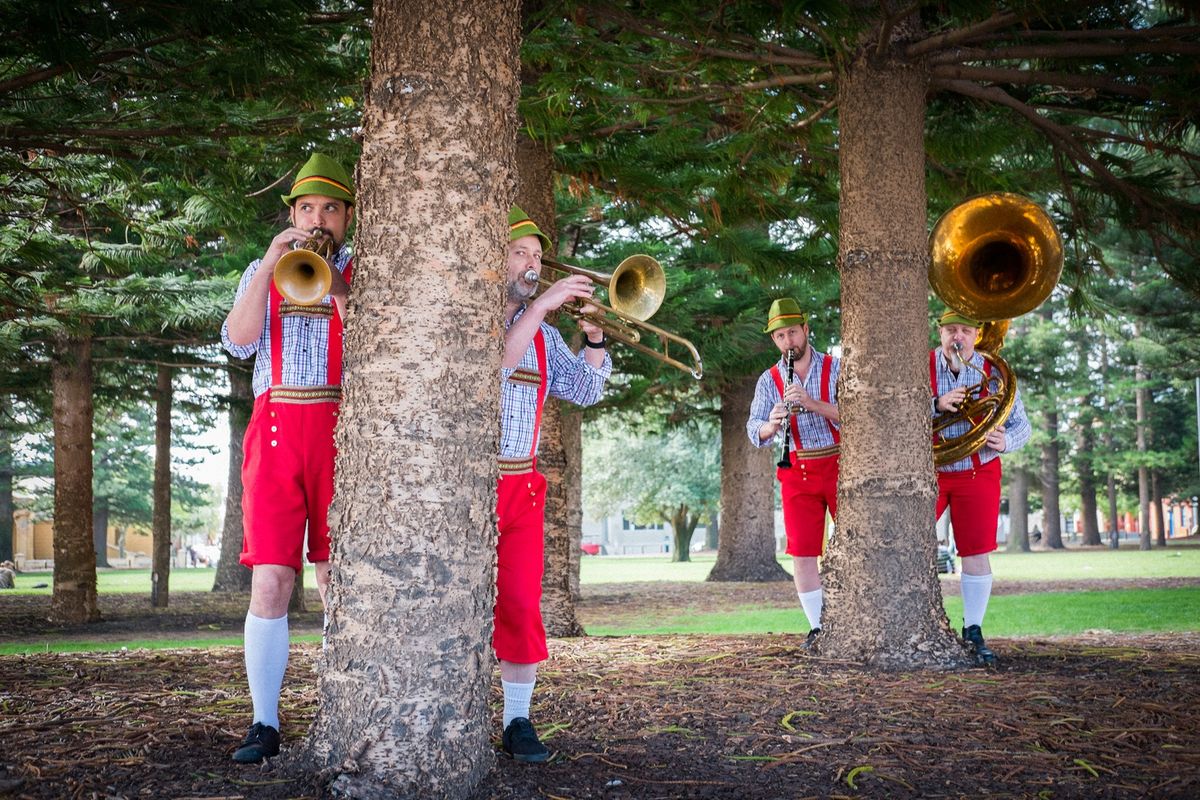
{"x": 303, "y": 275}
{"x": 636, "y": 289}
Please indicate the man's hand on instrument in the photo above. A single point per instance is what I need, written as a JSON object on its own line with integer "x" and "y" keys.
{"x": 591, "y": 330}
{"x": 797, "y": 399}
{"x": 572, "y": 287}
{"x": 951, "y": 400}
{"x": 779, "y": 413}
{"x": 997, "y": 439}
{"x": 283, "y": 243}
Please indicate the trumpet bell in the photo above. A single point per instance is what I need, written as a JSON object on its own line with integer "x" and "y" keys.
{"x": 303, "y": 277}
{"x": 638, "y": 287}
{"x": 995, "y": 256}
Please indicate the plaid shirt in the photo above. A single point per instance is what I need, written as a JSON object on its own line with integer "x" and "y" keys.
{"x": 1017, "y": 429}
{"x": 814, "y": 429}
{"x": 570, "y": 377}
{"x": 305, "y": 338}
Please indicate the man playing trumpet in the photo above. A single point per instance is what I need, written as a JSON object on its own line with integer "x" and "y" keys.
{"x": 800, "y": 392}
{"x": 971, "y": 485}
{"x": 287, "y": 475}
{"x": 537, "y": 362}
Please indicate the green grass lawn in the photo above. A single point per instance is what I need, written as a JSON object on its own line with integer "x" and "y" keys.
{"x": 1040, "y": 614}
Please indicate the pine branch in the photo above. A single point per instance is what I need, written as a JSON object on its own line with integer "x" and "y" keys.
{"x": 950, "y": 38}
{"x": 38, "y": 76}
{"x": 1038, "y": 77}
{"x": 1069, "y": 50}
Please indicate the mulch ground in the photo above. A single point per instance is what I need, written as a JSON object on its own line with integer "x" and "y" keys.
{"x": 1098, "y": 715}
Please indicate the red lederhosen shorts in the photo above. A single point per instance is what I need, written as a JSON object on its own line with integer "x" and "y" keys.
{"x": 808, "y": 489}
{"x": 974, "y": 499}
{"x": 290, "y": 447}
{"x": 520, "y": 507}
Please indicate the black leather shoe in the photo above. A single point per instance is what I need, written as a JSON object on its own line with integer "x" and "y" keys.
{"x": 811, "y": 639}
{"x": 973, "y": 637}
{"x": 521, "y": 742}
{"x": 261, "y": 742}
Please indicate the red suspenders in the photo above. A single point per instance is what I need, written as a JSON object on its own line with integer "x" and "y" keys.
{"x": 826, "y": 393}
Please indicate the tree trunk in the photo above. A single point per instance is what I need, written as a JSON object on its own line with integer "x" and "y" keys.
{"x": 74, "y": 598}
{"x": 406, "y": 673}
{"x": 1156, "y": 505}
{"x": 746, "y": 550}
{"x": 883, "y": 601}
{"x": 231, "y": 575}
{"x": 6, "y": 479}
{"x": 1142, "y": 398}
{"x": 100, "y": 530}
{"x": 1018, "y": 510}
{"x": 559, "y": 453}
{"x": 1051, "y": 516}
{"x": 1087, "y": 480}
{"x": 297, "y": 603}
{"x": 683, "y": 525}
{"x": 1114, "y": 538}
{"x": 160, "y": 568}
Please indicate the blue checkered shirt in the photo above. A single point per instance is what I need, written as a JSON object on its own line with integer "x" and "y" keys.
{"x": 814, "y": 429}
{"x": 305, "y": 339}
{"x": 570, "y": 377}
{"x": 1017, "y": 429}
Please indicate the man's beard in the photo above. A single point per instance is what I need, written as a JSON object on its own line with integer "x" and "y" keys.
{"x": 518, "y": 292}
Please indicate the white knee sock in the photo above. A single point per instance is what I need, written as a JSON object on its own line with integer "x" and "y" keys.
{"x": 976, "y": 589}
{"x": 516, "y": 700}
{"x": 812, "y": 603}
{"x": 266, "y": 642}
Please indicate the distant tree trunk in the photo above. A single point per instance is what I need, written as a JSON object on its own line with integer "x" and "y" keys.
{"x": 712, "y": 536}
{"x": 1052, "y": 517}
{"x": 297, "y": 603}
{"x": 100, "y": 530}
{"x": 1156, "y": 504}
{"x": 1087, "y": 480}
{"x": 746, "y": 550}
{"x": 160, "y": 569}
{"x": 403, "y": 695}
{"x": 74, "y": 597}
{"x": 1107, "y": 437}
{"x": 1142, "y": 398}
{"x": 6, "y": 479}
{"x": 1018, "y": 510}
{"x": 231, "y": 576}
{"x": 683, "y": 524}
{"x": 883, "y": 601}
{"x": 559, "y": 453}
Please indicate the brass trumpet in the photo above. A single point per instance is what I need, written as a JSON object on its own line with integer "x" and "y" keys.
{"x": 636, "y": 289}
{"x": 304, "y": 276}
{"x": 992, "y": 257}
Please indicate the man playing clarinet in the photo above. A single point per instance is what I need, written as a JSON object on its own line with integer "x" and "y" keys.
{"x": 800, "y": 391}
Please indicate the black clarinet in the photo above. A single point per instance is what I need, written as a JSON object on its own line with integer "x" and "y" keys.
{"x": 785, "y": 461}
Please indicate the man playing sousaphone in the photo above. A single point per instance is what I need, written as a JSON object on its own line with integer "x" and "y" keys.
{"x": 800, "y": 391}
{"x": 971, "y": 485}
{"x": 287, "y": 474}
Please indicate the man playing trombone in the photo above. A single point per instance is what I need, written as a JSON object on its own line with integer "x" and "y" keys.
{"x": 971, "y": 485}
{"x": 536, "y": 362}
{"x": 800, "y": 391}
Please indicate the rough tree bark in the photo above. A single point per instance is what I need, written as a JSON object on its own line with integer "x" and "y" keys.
{"x": 746, "y": 548}
{"x": 160, "y": 568}
{"x": 1051, "y": 516}
{"x": 883, "y": 601}
{"x": 231, "y": 575}
{"x": 1018, "y": 510}
{"x": 405, "y": 676}
{"x": 74, "y": 596}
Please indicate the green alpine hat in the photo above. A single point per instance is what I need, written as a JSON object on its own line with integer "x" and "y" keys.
{"x": 785, "y": 312}
{"x": 519, "y": 224}
{"x": 952, "y": 317}
{"x": 324, "y": 176}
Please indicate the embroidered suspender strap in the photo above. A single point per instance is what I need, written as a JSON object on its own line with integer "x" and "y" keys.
{"x": 539, "y": 343}
{"x": 275, "y": 299}
{"x": 778, "y": 378}
{"x": 334, "y": 359}
{"x": 826, "y": 393}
